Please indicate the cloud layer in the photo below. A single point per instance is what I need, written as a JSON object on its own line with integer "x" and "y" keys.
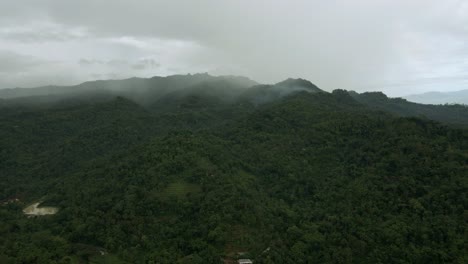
{"x": 397, "y": 46}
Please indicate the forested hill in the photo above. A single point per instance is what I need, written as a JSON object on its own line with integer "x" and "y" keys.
{"x": 141, "y": 90}
{"x": 156, "y": 92}
{"x": 283, "y": 173}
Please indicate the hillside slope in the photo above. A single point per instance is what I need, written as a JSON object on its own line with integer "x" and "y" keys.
{"x": 156, "y": 93}
{"x": 452, "y": 114}
{"x": 141, "y": 90}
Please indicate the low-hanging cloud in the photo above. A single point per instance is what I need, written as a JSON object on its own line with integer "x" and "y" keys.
{"x": 363, "y": 45}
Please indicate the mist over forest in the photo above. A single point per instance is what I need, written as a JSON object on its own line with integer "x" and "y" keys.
{"x": 233, "y": 132}
{"x": 213, "y": 169}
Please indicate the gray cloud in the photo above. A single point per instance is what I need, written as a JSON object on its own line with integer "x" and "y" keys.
{"x": 360, "y": 44}
{"x": 117, "y": 63}
{"x": 96, "y": 76}
{"x": 87, "y": 62}
{"x": 11, "y": 62}
{"x": 140, "y": 64}
{"x": 41, "y": 32}
{"x": 145, "y": 64}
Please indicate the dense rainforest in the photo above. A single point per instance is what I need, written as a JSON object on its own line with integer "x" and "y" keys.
{"x": 203, "y": 169}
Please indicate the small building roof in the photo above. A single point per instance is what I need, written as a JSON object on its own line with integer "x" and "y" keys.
{"x": 245, "y": 261}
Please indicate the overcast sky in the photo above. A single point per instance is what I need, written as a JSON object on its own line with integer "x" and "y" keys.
{"x": 396, "y": 46}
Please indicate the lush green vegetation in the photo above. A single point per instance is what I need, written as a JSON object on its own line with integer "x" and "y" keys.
{"x": 309, "y": 177}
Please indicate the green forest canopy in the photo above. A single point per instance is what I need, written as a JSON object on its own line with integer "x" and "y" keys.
{"x": 285, "y": 173}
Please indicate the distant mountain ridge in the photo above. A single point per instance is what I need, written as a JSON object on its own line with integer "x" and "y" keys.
{"x": 147, "y": 91}
{"x": 184, "y": 92}
{"x": 456, "y": 97}
{"x": 454, "y": 114}
{"x": 141, "y": 90}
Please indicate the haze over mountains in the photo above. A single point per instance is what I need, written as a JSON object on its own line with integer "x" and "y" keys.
{"x": 300, "y": 162}
{"x": 157, "y": 92}
{"x": 457, "y": 97}
{"x": 139, "y": 89}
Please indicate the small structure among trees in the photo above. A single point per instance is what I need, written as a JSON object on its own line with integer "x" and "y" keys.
{"x": 245, "y": 261}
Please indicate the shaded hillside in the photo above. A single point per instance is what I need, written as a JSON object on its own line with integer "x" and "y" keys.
{"x": 261, "y": 94}
{"x": 66, "y": 138}
{"x": 453, "y": 114}
{"x": 141, "y": 90}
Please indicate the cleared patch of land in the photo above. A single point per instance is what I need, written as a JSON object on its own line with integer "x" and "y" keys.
{"x": 34, "y": 209}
